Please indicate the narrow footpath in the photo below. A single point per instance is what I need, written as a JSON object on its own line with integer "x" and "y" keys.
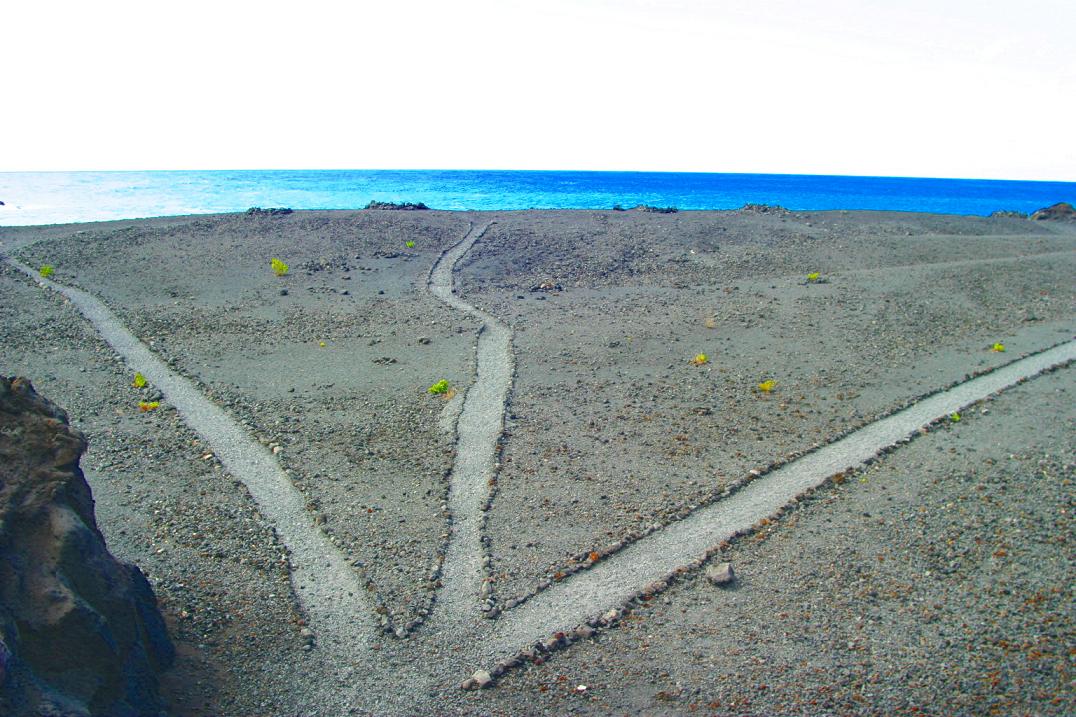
{"x": 478, "y": 429}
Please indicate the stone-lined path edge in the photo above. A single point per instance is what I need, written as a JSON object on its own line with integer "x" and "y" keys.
{"x": 478, "y": 429}
{"x": 597, "y": 597}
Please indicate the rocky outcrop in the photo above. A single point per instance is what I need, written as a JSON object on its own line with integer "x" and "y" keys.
{"x": 80, "y": 632}
{"x": 1062, "y": 211}
{"x": 269, "y": 212}
{"x": 401, "y": 206}
{"x": 655, "y": 210}
{"x": 764, "y": 209}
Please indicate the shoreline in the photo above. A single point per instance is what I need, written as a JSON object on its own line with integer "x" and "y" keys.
{"x": 909, "y": 303}
{"x": 1006, "y": 214}
{"x": 41, "y": 198}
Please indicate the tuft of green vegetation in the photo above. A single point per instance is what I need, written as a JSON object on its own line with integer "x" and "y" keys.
{"x": 439, "y": 387}
{"x": 139, "y": 380}
{"x": 700, "y": 359}
{"x": 954, "y": 417}
{"x": 767, "y": 386}
{"x": 46, "y": 270}
{"x": 409, "y": 244}
{"x": 279, "y": 267}
{"x": 998, "y": 348}
{"x": 148, "y": 405}
{"x": 813, "y": 277}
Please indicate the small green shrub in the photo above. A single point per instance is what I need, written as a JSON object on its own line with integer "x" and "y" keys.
{"x": 954, "y": 417}
{"x": 139, "y": 380}
{"x": 439, "y": 387}
{"x": 46, "y": 270}
{"x": 700, "y": 359}
{"x": 148, "y": 405}
{"x": 767, "y": 386}
{"x": 998, "y": 348}
{"x": 813, "y": 277}
{"x": 279, "y": 267}
{"x": 409, "y": 244}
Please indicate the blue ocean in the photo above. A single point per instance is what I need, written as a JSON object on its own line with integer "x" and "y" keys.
{"x": 63, "y": 197}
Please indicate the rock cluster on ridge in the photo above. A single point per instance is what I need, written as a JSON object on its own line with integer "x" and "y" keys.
{"x": 1062, "y": 211}
{"x": 80, "y": 632}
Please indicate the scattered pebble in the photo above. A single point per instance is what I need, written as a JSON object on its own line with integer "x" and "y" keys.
{"x": 720, "y": 574}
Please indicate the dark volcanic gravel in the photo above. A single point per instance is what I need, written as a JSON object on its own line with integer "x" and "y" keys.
{"x": 937, "y": 581}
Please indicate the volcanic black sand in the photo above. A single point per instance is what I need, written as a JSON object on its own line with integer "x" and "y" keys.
{"x": 936, "y": 580}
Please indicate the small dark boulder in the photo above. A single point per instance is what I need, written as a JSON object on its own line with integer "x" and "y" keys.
{"x": 1060, "y": 212}
{"x": 80, "y": 632}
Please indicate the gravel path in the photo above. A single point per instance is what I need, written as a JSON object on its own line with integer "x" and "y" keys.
{"x": 479, "y": 427}
{"x": 801, "y": 594}
{"x": 625, "y": 575}
{"x": 324, "y": 583}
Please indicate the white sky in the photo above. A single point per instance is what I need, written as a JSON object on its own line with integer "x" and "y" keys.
{"x": 976, "y": 88}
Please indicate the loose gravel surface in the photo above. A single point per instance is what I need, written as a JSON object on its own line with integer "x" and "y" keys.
{"x": 215, "y": 563}
{"x": 936, "y": 580}
{"x": 909, "y": 303}
{"x": 331, "y": 376}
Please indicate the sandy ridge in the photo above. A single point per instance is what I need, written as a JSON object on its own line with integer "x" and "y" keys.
{"x": 618, "y": 579}
{"x": 478, "y": 428}
{"x": 323, "y": 581}
{"x": 963, "y": 262}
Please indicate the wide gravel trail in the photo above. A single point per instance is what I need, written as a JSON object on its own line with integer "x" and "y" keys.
{"x": 324, "y": 582}
{"x": 619, "y": 578}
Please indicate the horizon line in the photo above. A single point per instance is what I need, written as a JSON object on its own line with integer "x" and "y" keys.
{"x": 527, "y": 170}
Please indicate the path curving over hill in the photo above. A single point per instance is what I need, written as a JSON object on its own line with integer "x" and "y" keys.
{"x": 478, "y": 429}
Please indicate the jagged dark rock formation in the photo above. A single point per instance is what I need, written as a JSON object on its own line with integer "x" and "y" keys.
{"x": 656, "y": 210}
{"x": 403, "y": 206}
{"x": 80, "y": 632}
{"x": 764, "y": 209}
{"x": 1062, "y": 211}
